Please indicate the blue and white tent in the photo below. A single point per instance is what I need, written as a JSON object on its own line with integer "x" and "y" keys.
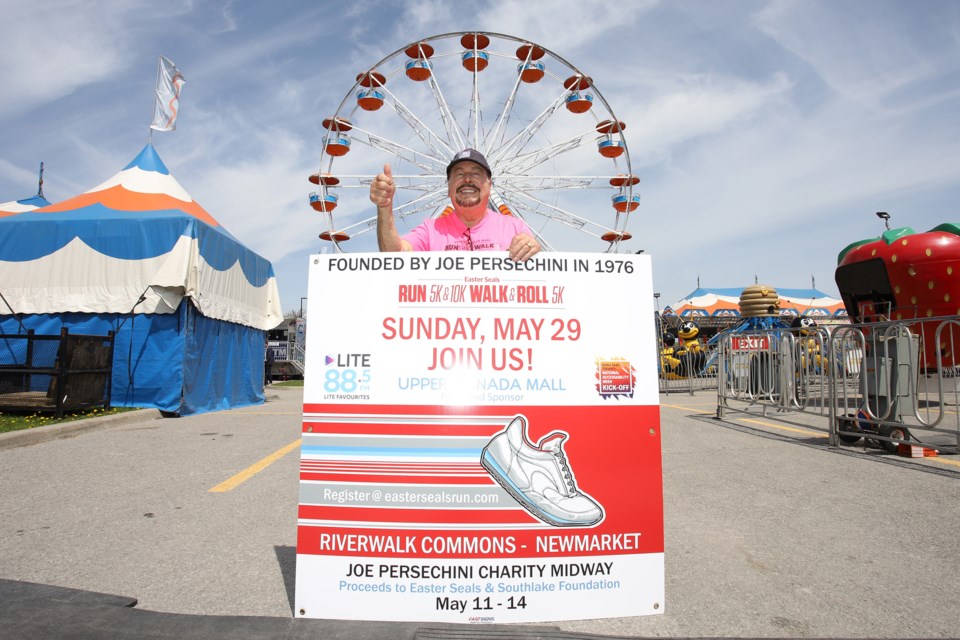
{"x": 138, "y": 256}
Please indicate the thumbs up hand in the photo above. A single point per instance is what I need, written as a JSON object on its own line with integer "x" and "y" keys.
{"x": 383, "y": 188}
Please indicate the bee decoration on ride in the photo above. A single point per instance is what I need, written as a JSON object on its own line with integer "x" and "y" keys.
{"x": 690, "y": 353}
{"x": 808, "y": 344}
{"x": 669, "y": 364}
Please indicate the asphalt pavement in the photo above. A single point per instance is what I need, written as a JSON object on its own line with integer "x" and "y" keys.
{"x": 189, "y": 526}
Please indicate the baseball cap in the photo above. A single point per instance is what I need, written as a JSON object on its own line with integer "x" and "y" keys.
{"x": 473, "y": 156}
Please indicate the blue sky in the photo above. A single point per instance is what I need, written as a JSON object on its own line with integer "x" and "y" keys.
{"x": 765, "y": 134}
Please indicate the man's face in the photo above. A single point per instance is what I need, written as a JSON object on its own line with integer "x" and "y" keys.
{"x": 469, "y": 184}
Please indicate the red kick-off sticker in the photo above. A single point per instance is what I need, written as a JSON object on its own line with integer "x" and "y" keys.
{"x": 615, "y": 377}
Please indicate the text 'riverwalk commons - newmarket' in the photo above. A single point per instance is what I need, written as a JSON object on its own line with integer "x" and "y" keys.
{"x": 451, "y": 263}
{"x": 455, "y": 545}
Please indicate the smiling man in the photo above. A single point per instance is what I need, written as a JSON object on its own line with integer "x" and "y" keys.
{"x": 474, "y": 226}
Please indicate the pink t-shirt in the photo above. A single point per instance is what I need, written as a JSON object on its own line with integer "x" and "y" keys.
{"x": 448, "y": 233}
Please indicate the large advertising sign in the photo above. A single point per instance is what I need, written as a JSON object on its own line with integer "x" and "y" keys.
{"x": 481, "y": 439}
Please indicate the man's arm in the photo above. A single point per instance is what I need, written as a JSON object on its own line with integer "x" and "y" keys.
{"x": 382, "y": 190}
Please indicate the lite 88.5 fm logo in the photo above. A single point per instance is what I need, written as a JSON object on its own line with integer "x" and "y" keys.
{"x": 347, "y": 373}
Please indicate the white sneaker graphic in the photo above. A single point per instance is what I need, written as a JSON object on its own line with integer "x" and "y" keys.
{"x": 539, "y": 477}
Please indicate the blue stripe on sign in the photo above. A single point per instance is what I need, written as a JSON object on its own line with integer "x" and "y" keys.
{"x": 391, "y": 451}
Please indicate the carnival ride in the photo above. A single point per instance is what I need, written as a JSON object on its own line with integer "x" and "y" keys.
{"x": 900, "y": 276}
{"x": 758, "y": 309}
{"x": 550, "y": 137}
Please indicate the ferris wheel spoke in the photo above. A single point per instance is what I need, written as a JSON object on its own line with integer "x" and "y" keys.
{"x": 436, "y": 199}
{"x": 498, "y": 131}
{"x": 526, "y": 162}
{"x": 440, "y": 147}
{"x": 557, "y": 214}
{"x": 475, "y": 112}
{"x": 400, "y": 214}
{"x": 520, "y": 140}
{"x": 430, "y": 163}
{"x": 403, "y": 182}
{"x": 455, "y": 134}
{"x": 542, "y": 183}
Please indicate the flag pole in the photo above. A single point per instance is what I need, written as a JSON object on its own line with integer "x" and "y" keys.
{"x": 155, "y": 95}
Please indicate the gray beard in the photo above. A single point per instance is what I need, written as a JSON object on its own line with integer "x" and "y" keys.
{"x": 471, "y": 200}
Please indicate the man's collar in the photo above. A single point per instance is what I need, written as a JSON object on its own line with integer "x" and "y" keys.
{"x": 463, "y": 227}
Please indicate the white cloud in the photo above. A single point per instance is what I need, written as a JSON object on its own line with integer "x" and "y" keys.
{"x": 697, "y": 107}
{"x": 868, "y": 52}
{"x": 260, "y": 198}
{"x": 563, "y": 25}
{"x": 38, "y": 68}
{"x": 230, "y": 22}
{"x": 53, "y": 48}
{"x": 18, "y": 175}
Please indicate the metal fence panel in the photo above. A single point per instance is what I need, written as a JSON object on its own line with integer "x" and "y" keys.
{"x": 884, "y": 381}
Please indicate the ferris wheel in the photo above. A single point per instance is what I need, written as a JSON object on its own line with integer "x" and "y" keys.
{"x": 556, "y": 150}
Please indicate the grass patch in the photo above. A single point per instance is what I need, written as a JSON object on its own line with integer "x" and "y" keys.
{"x": 19, "y": 420}
{"x": 289, "y": 383}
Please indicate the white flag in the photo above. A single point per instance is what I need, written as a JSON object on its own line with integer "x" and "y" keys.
{"x": 169, "y": 83}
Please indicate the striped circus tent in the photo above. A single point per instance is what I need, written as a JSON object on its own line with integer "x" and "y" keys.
{"x": 20, "y": 206}
{"x": 725, "y": 302}
{"x": 138, "y": 256}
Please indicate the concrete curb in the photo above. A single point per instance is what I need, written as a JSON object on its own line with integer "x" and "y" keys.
{"x": 27, "y": 437}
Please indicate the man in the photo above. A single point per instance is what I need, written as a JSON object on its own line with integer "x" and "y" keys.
{"x": 268, "y": 358}
{"x": 473, "y": 225}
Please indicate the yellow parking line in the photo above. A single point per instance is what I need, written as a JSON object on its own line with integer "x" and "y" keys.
{"x": 955, "y": 463}
{"x": 806, "y": 432}
{"x": 685, "y": 408}
{"x": 232, "y": 483}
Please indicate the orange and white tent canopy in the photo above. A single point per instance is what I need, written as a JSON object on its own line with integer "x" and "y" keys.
{"x": 137, "y": 243}
{"x": 725, "y": 302}
{"x": 19, "y": 206}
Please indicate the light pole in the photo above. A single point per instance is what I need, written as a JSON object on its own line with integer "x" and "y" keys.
{"x": 883, "y": 215}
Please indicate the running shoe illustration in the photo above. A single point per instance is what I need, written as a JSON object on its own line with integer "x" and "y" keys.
{"x": 539, "y": 477}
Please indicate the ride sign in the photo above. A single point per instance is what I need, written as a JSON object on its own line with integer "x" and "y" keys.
{"x": 481, "y": 439}
{"x": 750, "y": 342}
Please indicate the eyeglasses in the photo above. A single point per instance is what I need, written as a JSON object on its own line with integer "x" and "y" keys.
{"x": 475, "y": 176}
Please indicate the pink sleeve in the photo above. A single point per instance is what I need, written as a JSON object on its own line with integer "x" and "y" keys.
{"x": 419, "y": 237}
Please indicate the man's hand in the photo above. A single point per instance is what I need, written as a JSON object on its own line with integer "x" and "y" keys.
{"x": 382, "y": 189}
{"x": 381, "y": 194}
{"x": 523, "y": 247}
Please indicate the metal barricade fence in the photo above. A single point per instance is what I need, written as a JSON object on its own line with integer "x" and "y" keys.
{"x": 687, "y": 371}
{"x": 884, "y": 381}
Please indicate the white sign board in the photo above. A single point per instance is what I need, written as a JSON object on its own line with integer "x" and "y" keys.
{"x": 481, "y": 439}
